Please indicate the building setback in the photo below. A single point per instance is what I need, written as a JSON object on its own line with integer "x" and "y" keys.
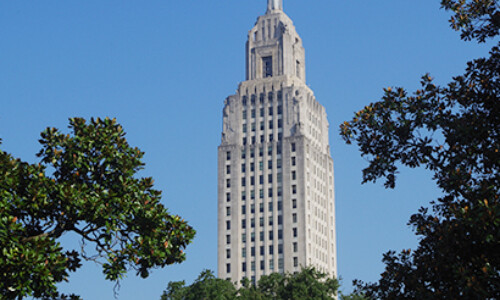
{"x": 276, "y": 201}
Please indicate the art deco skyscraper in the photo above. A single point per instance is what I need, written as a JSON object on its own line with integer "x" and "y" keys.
{"x": 275, "y": 174}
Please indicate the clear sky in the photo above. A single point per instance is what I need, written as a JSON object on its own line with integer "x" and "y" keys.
{"x": 163, "y": 68}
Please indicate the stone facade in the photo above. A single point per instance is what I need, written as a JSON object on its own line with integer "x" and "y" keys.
{"x": 275, "y": 174}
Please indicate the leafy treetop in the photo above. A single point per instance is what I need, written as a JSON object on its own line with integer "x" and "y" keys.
{"x": 453, "y": 131}
{"x": 306, "y": 284}
{"x": 92, "y": 192}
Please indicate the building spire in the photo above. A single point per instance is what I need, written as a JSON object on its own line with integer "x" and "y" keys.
{"x": 274, "y": 5}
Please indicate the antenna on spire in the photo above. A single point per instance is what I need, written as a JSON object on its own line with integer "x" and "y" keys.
{"x": 274, "y": 5}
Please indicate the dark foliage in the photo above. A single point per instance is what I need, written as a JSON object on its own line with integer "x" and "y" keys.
{"x": 454, "y": 131}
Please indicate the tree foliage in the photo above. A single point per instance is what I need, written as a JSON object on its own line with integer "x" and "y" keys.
{"x": 307, "y": 284}
{"x": 476, "y": 19}
{"x": 85, "y": 184}
{"x": 453, "y": 131}
{"x": 206, "y": 286}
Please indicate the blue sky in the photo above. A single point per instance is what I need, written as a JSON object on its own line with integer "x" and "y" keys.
{"x": 163, "y": 68}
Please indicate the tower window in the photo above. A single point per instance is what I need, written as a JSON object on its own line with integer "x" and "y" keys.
{"x": 267, "y": 66}
{"x": 270, "y": 97}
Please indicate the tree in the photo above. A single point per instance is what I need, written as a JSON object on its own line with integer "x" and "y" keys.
{"x": 206, "y": 286}
{"x": 309, "y": 284}
{"x": 306, "y": 284}
{"x": 453, "y": 131}
{"x": 85, "y": 184}
{"x": 249, "y": 291}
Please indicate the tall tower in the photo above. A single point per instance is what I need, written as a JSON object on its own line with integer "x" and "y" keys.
{"x": 275, "y": 174}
